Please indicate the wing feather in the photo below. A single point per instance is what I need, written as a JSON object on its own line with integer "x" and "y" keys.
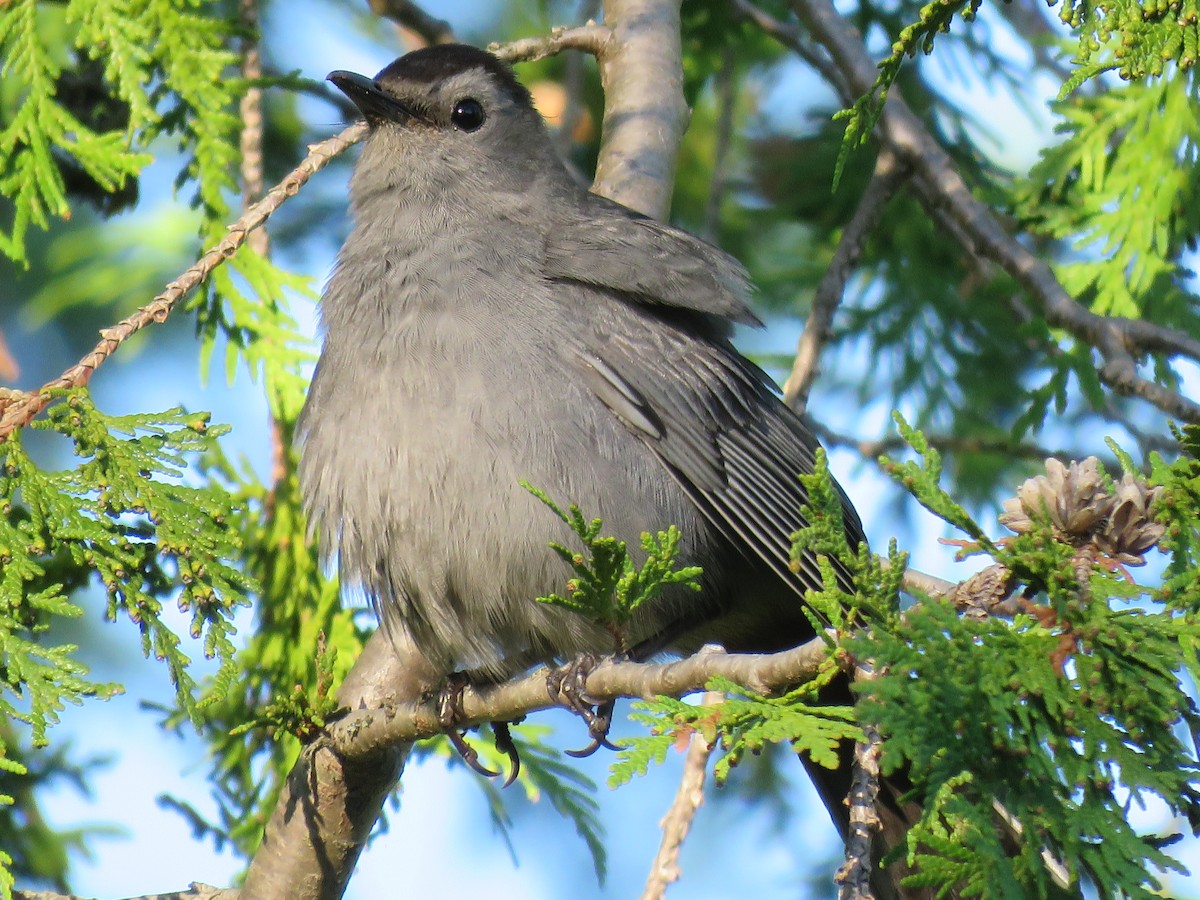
{"x": 726, "y": 438}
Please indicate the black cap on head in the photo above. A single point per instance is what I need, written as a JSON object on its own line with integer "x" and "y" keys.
{"x": 439, "y": 62}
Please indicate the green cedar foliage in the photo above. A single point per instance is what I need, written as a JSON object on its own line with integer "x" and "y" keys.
{"x": 1135, "y": 39}
{"x": 124, "y": 517}
{"x": 1069, "y": 714}
{"x": 746, "y": 722}
{"x": 181, "y": 46}
{"x": 607, "y": 587}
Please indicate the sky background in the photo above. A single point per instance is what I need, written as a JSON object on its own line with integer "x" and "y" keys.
{"x": 441, "y": 842}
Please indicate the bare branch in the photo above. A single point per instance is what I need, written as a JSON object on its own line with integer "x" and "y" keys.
{"x": 366, "y": 731}
{"x": 330, "y": 803}
{"x": 250, "y": 110}
{"x": 982, "y": 233}
{"x": 854, "y": 877}
{"x": 195, "y": 891}
{"x": 641, "y": 70}
{"x": 678, "y": 820}
{"x": 791, "y": 36}
{"x": 17, "y": 408}
{"x": 943, "y": 443}
{"x": 590, "y": 38}
{"x": 925, "y": 583}
{"x": 408, "y": 15}
{"x": 888, "y": 177}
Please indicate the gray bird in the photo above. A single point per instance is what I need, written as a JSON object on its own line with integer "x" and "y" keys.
{"x": 490, "y": 322}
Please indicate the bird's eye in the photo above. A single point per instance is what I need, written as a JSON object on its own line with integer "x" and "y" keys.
{"x": 467, "y": 114}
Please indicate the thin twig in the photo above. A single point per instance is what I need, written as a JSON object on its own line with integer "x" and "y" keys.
{"x": 590, "y": 38}
{"x": 408, "y": 15}
{"x": 982, "y": 233}
{"x": 678, "y": 819}
{"x": 854, "y": 877}
{"x": 943, "y": 443}
{"x": 18, "y": 408}
{"x": 250, "y": 110}
{"x": 795, "y": 40}
{"x": 888, "y": 177}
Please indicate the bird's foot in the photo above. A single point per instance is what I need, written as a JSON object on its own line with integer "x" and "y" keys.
{"x": 450, "y": 714}
{"x": 567, "y": 685}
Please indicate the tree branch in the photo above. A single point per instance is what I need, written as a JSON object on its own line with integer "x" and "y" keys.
{"x": 943, "y": 187}
{"x": 678, "y": 820}
{"x": 250, "y": 110}
{"x": 943, "y": 443}
{"x": 888, "y": 177}
{"x": 408, "y": 15}
{"x": 944, "y": 192}
{"x": 854, "y": 877}
{"x": 17, "y": 408}
{"x": 366, "y": 731}
{"x": 641, "y": 71}
{"x": 331, "y": 802}
{"x": 195, "y": 891}
{"x": 795, "y": 40}
{"x": 590, "y": 38}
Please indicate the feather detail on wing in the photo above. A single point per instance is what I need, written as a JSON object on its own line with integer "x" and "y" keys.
{"x": 610, "y": 246}
{"x": 713, "y": 420}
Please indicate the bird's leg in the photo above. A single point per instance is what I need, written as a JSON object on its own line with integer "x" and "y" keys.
{"x": 566, "y": 685}
{"x": 450, "y": 714}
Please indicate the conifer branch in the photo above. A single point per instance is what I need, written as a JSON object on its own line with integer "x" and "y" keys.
{"x": 942, "y": 189}
{"x": 430, "y": 29}
{"x": 17, "y": 408}
{"x": 888, "y": 177}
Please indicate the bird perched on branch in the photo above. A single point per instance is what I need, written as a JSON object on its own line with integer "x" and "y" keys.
{"x": 490, "y": 322}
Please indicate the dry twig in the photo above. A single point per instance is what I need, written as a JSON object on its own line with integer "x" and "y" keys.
{"x": 18, "y": 408}
{"x": 854, "y": 877}
{"x": 678, "y": 820}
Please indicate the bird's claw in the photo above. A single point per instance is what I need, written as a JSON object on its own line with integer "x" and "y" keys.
{"x": 504, "y": 743}
{"x": 567, "y": 686}
{"x": 449, "y": 715}
{"x": 598, "y": 723}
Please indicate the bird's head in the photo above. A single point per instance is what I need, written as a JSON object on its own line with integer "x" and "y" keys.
{"x": 446, "y": 122}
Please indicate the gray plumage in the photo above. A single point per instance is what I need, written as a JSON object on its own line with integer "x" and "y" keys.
{"x": 489, "y": 322}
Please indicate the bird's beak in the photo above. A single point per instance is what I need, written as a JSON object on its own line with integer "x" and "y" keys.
{"x": 364, "y": 93}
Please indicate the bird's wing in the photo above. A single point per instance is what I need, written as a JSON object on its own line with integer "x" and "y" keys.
{"x": 712, "y": 418}
{"x": 674, "y": 269}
